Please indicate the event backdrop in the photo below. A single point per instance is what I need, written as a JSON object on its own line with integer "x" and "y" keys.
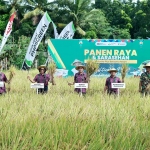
{"x": 109, "y": 53}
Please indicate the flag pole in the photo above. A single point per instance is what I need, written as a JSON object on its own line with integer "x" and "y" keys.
{"x": 22, "y": 64}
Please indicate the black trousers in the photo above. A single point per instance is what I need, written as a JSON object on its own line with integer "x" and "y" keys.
{"x": 42, "y": 91}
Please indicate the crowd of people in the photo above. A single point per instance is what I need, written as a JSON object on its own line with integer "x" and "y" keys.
{"x": 81, "y": 77}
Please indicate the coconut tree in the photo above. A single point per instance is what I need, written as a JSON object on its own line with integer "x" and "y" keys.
{"x": 74, "y": 12}
{"x": 36, "y": 9}
{"x": 18, "y": 6}
{"x": 2, "y": 6}
{"x": 85, "y": 18}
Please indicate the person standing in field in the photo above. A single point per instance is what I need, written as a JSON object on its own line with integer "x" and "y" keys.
{"x": 42, "y": 77}
{"x": 112, "y": 79}
{"x": 144, "y": 84}
{"x": 4, "y": 80}
{"x": 80, "y": 77}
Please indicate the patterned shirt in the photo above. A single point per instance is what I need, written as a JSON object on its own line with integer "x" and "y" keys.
{"x": 110, "y": 80}
{"x": 39, "y": 78}
{"x": 3, "y": 79}
{"x": 80, "y": 78}
{"x": 145, "y": 80}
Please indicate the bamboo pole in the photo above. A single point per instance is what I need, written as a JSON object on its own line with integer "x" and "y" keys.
{"x": 6, "y": 63}
{"x": 1, "y": 65}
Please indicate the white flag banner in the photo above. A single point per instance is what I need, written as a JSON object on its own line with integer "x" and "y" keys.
{"x": 7, "y": 31}
{"x": 35, "y": 41}
{"x": 67, "y": 32}
{"x": 55, "y": 31}
{"x": 74, "y": 71}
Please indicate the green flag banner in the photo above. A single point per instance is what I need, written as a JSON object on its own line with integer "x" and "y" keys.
{"x": 109, "y": 53}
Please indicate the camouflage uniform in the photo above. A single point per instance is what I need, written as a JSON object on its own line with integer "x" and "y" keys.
{"x": 145, "y": 80}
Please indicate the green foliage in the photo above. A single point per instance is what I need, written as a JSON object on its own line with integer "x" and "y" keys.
{"x": 90, "y": 35}
{"x": 16, "y": 53}
{"x": 3, "y": 22}
{"x": 41, "y": 54}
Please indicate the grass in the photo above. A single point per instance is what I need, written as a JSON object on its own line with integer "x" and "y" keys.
{"x": 61, "y": 120}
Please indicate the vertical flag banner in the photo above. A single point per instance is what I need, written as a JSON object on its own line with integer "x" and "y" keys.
{"x": 67, "y": 32}
{"x": 7, "y": 31}
{"x": 55, "y": 31}
{"x": 35, "y": 41}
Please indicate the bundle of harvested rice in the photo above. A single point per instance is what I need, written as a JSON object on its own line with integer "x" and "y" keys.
{"x": 12, "y": 71}
{"x": 124, "y": 71}
{"x": 91, "y": 67}
{"x": 51, "y": 71}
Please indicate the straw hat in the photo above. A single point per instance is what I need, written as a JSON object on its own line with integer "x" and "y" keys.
{"x": 77, "y": 68}
{"x": 112, "y": 70}
{"x": 147, "y": 65}
{"x": 42, "y": 66}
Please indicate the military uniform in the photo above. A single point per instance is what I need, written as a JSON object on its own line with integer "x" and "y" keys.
{"x": 145, "y": 81}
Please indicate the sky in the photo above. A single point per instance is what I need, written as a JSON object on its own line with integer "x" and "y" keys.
{"x": 53, "y": 0}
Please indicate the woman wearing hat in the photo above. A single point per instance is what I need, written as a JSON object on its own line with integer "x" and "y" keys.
{"x": 80, "y": 77}
{"x": 42, "y": 77}
{"x": 144, "y": 85}
{"x": 4, "y": 80}
{"x": 110, "y": 80}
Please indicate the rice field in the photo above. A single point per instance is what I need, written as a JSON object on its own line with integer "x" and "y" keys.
{"x": 61, "y": 120}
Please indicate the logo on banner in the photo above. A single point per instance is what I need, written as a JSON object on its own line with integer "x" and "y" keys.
{"x": 110, "y": 43}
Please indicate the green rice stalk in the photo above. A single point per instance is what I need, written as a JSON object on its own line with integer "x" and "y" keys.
{"x": 124, "y": 71}
{"x": 52, "y": 70}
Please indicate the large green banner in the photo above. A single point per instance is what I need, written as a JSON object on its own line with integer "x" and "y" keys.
{"x": 109, "y": 53}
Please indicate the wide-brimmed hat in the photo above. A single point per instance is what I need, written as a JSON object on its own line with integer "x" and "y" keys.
{"x": 112, "y": 70}
{"x": 42, "y": 66}
{"x": 147, "y": 65}
{"x": 76, "y": 62}
{"x": 83, "y": 66}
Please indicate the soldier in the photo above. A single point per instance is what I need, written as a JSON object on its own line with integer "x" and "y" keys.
{"x": 80, "y": 77}
{"x": 144, "y": 85}
{"x": 4, "y": 80}
{"x": 42, "y": 77}
{"x": 110, "y": 80}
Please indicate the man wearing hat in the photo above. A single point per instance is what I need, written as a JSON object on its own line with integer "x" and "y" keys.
{"x": 4, "y": 80}
{"x": 42, "y": 77}
{"x": 144, "y": 85}
{"x": 110, "y": 80}
{"x": 80, "y": 77}
{"x": 76, "y": 63}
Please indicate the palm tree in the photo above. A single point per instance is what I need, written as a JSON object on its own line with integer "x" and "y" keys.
{"x": 75, "y": 12}
{"x": 2, "y": 6}
{"x": 17, "y": 6}
{"x": 64, "y": 11}
{"x": 36, "y": 9}
{"x": 83, "y": 16}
